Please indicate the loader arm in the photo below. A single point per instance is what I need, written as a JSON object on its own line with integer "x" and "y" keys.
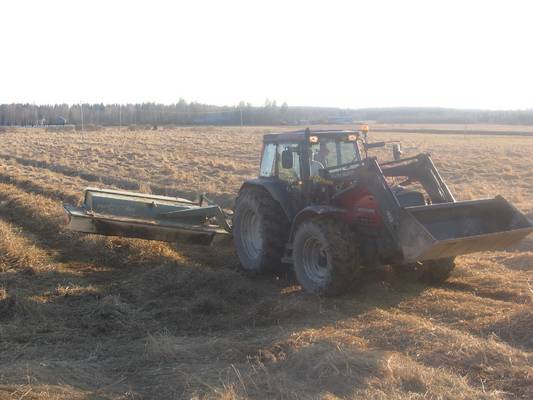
{"x": 421, "y": 168}
{"x": 447, "y": 227}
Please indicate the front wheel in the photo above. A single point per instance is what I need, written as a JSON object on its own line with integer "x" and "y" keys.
{"x": 325, "y": 255}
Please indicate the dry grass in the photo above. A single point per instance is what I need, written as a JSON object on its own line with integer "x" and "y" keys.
{"x": 91, "y": 317}
{"x": 60, "y": 128}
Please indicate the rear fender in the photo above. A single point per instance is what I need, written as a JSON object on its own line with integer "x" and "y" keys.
{"x": 315, "y": 211}
{"x": 277, "y": 190}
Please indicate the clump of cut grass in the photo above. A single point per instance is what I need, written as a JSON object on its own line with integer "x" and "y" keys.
{"x": 329, "y": 370}
{"x": 165, "y": 346}
{"x": 17, "y": 251}
{"x": 110, "y": 315}
{"x": 515, "y": 328}
{"x": 14, "y": 306}
{"x": 69, "y": 290}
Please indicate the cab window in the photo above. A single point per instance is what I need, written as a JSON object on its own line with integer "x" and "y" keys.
{"x": 330, "y": 153}
{"x": 325, "y": 153}
{"x": 349, "y": 152}
{"x": 289, "y": 174}
{"x": 267, "y": 162}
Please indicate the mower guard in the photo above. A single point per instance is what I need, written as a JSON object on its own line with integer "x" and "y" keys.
{"x": 450, "y": 229}
{"x": 146, "y": 216}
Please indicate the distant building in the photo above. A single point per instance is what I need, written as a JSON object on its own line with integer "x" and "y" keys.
{"x": 60, "y": 121}
{"x": 340, "y": 119}
{"x": 214, "y": 119}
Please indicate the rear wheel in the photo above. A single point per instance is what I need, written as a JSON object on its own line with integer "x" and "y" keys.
{"x": 431, "y": 271}
{"x": 326, "y": 259}
{"x": 260, "y": 230}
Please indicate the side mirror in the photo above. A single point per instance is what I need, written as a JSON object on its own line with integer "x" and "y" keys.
{"x": 396, "y": 151}
{"x": 286, "y": 159}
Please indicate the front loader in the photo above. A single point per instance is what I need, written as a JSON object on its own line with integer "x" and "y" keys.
{"x": 323, "y": 205}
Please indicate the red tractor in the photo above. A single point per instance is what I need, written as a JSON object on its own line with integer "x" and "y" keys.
{"x": 321, "y": 204}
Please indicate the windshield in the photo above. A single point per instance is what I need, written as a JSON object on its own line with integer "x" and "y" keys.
{"x": 330, "y": 153}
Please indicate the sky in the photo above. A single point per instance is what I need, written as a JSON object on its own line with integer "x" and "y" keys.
{"x": 350, "y": 54}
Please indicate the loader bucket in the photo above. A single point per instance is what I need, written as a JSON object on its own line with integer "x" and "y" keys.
{"x": 146, "y": 216}
{"x": 451, "y": 229}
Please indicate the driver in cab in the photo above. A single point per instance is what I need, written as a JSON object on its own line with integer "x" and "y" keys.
{"x": 319, "y": 160}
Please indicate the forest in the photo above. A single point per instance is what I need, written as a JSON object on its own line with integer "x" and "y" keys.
{"x": 193, "y": 113}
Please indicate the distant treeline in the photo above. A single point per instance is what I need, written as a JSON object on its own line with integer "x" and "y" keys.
{"x": 184, "y": 113}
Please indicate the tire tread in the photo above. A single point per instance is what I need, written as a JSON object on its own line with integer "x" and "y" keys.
{"x": 275, "y": 227}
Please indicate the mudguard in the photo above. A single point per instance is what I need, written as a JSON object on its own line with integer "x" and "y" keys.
{"x": 314, "y": 211}
{"x": 277, "y": 190}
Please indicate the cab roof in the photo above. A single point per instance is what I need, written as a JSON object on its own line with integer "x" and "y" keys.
{"x": 302, "y": 134}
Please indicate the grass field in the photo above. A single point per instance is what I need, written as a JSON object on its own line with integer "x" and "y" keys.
{"x": 88, "y": 317}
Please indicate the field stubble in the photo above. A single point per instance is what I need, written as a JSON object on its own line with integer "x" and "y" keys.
{"x": 95, "y": 317}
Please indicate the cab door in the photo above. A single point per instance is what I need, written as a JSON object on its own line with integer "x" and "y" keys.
{"x": 291, "y": 177}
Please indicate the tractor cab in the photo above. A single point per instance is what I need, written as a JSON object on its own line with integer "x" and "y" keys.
{"x": 297, "y": 157}
{"x": 293, "y": 164}
{"x": 305, "y": 167}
